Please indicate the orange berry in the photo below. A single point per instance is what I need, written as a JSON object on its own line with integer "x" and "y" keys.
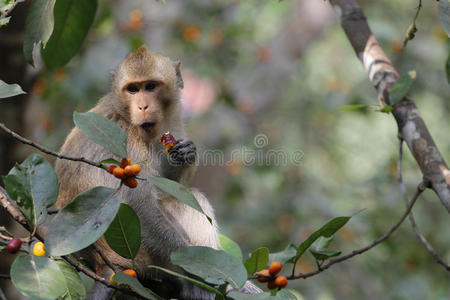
{"x": 125, "y": 162}
{"x": 262, "y": 278}
{"x": 130, "y": 272}
{"x": 275, "y": 268}
{"x": 136, "y": 168}
{"x": 128, "y": 171}
{"x": 112, "y": 280}
{"x": 131, "y": 182}
{"x": 271, "y": 285}
{"x": 39, "y": 249}
{"x": 119, "y": 173}
{"x": 281, "y": 281}
{"x": 111, "y": 168}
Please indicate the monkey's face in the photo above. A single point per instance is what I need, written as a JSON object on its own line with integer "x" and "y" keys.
{"x": 146, "y": 106}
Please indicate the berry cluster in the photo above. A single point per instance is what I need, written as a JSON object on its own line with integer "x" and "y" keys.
{"x": 269, "y": 276}
{"x": 126, "y": 172}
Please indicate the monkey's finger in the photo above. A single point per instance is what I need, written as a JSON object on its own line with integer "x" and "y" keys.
{"x": 183, "y": 147}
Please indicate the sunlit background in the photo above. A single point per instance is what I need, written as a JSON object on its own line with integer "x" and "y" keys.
{"x": 281, "y": 71}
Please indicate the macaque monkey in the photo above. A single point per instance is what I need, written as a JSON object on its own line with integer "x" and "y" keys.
{"x": 145, "y": 102}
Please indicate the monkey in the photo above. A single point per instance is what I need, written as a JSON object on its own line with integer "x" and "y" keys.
{"x": 144, "y": 101}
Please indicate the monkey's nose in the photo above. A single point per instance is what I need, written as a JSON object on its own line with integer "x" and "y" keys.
{"x": 148, "y": 125}
{"x": 143, "y": 107}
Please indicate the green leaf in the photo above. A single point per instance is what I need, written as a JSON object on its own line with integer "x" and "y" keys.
{"x": 386, "y": 109}
{"x": 352, "y": 107}
{"x": 213, "y": 266}
{"x": 110, "y": 161}
{"x": 73, "y": 285}
{"x": 258, "y": 260}
{"x": 38, "y": 27}
{"x": 327, "y": 230}
{"x": 73, "y": 18}
{"x": 402, "y": 87}
{"x": 284, "y": 256}
{"x": 177, "y": 190}
{"x": 189, "y": 279}
{"x": 230, "y": 246}
{"x": 34, "y": 186}
{"x": 102, "y": 131}
{"x": 447, "y": 68}
{"x": 124, "y": 233}
{"x": 444, "y": 15}
{"x": 4, "y": 21}
{"x": 242, "y": 296}
{"x": 322, "y": 243}
{"x": 21, "y": 195}
{"x": 136, "y": 286}
{"x": 37, "y": 277}
{"x": 284, "y": 294}
{"x": 324, "y": 254}
{"x": 83, "y": 221}
{"x": 10, "y": 90}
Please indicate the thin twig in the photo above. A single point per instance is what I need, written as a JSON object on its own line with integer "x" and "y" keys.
{"x": 412, "y": 220}
{"x": 105, "y": 259}
{"x": 385, "y": 236}
{"x": 48, "y": 151}
{"x": 8, "y": 238}
{"x": 412, "y": 28}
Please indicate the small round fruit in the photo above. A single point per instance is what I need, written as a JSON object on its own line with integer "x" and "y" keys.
{"x": 281, "y": 281}
{"x": 111, "y": 168}
{"x": 262, "y": 278}
{"x": 130, "y": 272}
{"x": 128, "y": 171}
{"x": 131, "y": 182}
{"x": 275, "y": 268}
{"x": 271, "y": 285}
{"x": 39, "y": 249}
{"x": 111, "y": 279}
{"x": 14, "y": 245}
{"x": 125, "y": 162}
{"x": 136, "y": 169}
{"x": 119, "y": 173}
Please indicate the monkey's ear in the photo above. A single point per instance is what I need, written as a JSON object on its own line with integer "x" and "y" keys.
{"x": 177, "y": 66}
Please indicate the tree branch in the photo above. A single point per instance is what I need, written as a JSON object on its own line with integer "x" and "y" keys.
{"x": 412, "y": 220}
{"x": 382, "y": 238}
{"x": 50, "y": 152}
{"x": 383, "y": 75}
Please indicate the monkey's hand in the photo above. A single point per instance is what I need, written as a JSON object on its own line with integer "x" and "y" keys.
{"x": 184, "y": 153}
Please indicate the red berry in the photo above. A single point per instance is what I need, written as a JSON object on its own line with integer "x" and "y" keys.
{"x": 14, "y": 245}
{"x": 275, "y": 268}
{"x": 168, "y": 140}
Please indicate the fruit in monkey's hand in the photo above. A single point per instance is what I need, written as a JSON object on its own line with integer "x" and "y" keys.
{"x": 168, "y": 141}
{"x": 275, "y": 268}
{"x": 281, "y": 281}
{"x": 39, "y": 249}
{"x": 130, "y": 272}
{"x": 14, "y": 245}
{"x": 263, "y": 278}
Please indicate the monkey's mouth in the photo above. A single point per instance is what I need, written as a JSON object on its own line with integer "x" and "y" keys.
{"x": 148, "y": 126}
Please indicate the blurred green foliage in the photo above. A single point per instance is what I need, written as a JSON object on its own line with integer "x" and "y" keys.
{"x": 283, "y": 70}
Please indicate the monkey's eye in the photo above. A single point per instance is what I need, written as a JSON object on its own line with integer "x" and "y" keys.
{"x": 132, "y": 88}
{"x": 151, "y": 86}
